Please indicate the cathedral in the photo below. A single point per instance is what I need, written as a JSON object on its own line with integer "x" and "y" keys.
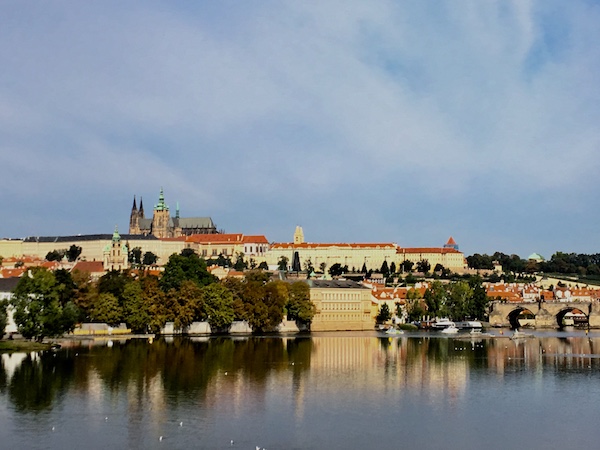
{"x": 162, "y": 225}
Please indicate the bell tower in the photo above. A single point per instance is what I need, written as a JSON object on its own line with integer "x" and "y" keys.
{"x": 162, "y": 217}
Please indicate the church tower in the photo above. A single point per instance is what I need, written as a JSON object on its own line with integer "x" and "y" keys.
{"x": 162, "y": 218}
{"x": 134, "y": 219}
{"x": 298, "y": 235}
{"x": 115, "y": 254}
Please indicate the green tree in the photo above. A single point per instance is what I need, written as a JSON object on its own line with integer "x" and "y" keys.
{"x": 135, "y": 256}
{"x": 322, "y": 267}
{"x": 407, "y": 266}
{"x": 263, "y": 266}
{"x": 106, "y": 309}
{"x": 154, "y": 300}
{"x": 282, "y": 264}
{"x": 114, "y": 283}
{"x": 149, "y": 259}
{"x": 308, "y": 266}
{"x": 3, "y": 317}
{"x": 39, "y": 312}
{"x": 459, "y": 300}
{"x": 385, "y": 270}
{"x": 423, "y": 266}
{"x": 135, "y": 310}
{"x": 55, "y": 255}
{"x": 236, "y": 287}
{"x": 393, "y": 267}
{"x": 218, "y": 304}
{"x": 384, "y": 314}
{"x": 73, "y": 253}
{"x": 265, "y": 312}
{"x": 435, "y": 299}
{"x": 300, "y": 307}
{"x": 240, "y": 265}
{"x": 336, "y": 270}
{"x": 414, "y": 306}
{"x": 184, "y": 267}
{"x": 186, "y": 305}
{"x": 479, "y": 301}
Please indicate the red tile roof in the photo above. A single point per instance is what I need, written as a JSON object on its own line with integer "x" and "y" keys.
{"x": 89, "y": 266}
{"x": 307, "y": 245}
{"x": 413, "y": 250}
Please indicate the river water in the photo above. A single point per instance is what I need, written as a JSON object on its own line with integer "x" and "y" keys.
{"x": 320, "y": 391}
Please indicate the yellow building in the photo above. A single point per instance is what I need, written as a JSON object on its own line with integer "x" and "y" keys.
{"x": 372, "y": 255}
{"x": 357, "y": 255}
{"x": 341, "y": 305}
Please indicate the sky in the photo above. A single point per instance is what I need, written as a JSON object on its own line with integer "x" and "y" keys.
{"x": 379, "y": 121}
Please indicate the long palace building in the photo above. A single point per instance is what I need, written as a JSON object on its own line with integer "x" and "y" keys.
{"x": 164, "y": 235}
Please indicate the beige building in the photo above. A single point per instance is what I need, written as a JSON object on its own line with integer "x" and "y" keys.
{"x": 371, "y": 255}
{"x": 341, "y": 305}
{"x": 116, "y": 256}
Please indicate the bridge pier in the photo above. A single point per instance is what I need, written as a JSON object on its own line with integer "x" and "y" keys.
{"x": 543, "y": 319}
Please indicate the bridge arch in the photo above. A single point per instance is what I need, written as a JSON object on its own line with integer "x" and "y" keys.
{"x": 517, "y": 317}
{"x": 579, "y": 317}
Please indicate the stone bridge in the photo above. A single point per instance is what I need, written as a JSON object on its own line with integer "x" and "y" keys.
{"x": 547, "y": 314}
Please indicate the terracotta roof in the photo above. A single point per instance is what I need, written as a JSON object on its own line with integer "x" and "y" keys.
{"x": 258, "y": 239}
{"x": 10, "y": 273}
{"x": 451, "y": 241}
{"x": 427, "y": 250}
{"x": 89, "y": 266}
{"x": 214, "y": 238}
{"x": 308, "y": 245}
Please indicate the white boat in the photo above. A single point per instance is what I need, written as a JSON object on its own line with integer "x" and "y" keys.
{"x": 393, "y": 330}
{"x": 469, "y": 325}
{"x": 443, "y": 323}
{"x": 450, "y": 329}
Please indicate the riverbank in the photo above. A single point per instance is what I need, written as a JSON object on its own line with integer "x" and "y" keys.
{"x": 23, "y": 345}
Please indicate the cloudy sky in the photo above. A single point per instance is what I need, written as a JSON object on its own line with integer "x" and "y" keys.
{"x": 378, "y": 121}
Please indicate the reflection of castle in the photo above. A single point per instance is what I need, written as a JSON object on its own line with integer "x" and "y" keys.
{"x": 162, "y": 225}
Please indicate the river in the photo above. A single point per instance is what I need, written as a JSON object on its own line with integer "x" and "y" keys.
{"x": 358, "y": 390}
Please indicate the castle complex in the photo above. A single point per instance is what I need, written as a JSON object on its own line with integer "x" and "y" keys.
{"x": 164, "y": 235}
{"x": 162, "y": 225}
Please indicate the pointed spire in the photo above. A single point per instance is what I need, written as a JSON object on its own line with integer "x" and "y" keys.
{"x": 177, "y": 210}
{"x": 134, "y": 208}
{"x": 141, "y": 208}
{"x": 116, "y": 235}
{"x": 160, "y": 206}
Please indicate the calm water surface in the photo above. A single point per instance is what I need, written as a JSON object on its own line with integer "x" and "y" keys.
{"x": 338, "y": 390}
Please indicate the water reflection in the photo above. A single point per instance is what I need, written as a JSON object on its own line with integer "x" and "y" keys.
{"x": 152, "y": 386}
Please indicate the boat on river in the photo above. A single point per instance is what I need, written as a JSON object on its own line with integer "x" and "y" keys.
{"x": 450, "y": 329}
{"x": 442, "y": 324}
{"x": 393, "y": 330}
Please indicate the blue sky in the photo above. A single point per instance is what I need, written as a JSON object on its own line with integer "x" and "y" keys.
{"x": 379, "y": 121}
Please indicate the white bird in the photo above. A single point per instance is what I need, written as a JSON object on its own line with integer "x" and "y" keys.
{"x": 232, "y": 442}
{"x": 53, "y": 428}
{"x": 160, "y": 438}
{"x": 180, "y": 424}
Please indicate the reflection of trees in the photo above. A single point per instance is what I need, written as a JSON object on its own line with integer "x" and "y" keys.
{"x": 39, "y": 380}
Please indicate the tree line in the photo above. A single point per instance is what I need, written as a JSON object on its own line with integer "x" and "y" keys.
{"x": 563, "y": 263}
{"x": 458, "y": 300}
{"x": 51, "y": 303}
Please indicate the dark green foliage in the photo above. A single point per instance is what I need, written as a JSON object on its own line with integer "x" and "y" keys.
{"x": 218, "y": 304}
{"x": 149, "y": 259}
{"x": 55, "y": 255}
{"x": 300, "y": 307}
{"x": 39, "y": 311}
{"x": 182, "y": 267}
{"x": 3, "y": 316}
{"x": 73, "y": 253}
{"x": 282, "y": 264}
{"x": 384, "y": 314}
